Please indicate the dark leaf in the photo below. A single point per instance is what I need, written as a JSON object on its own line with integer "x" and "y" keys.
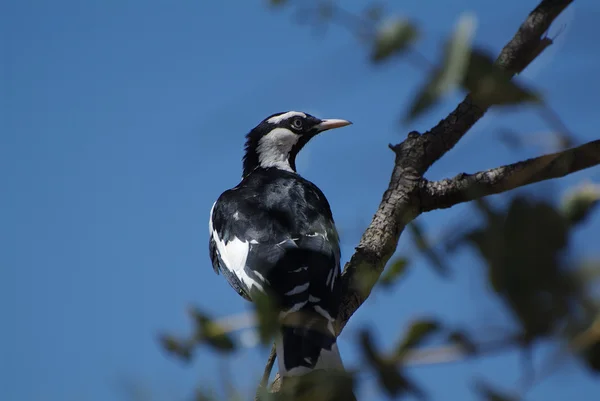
{"x": 450, "y": 73}
{"x": 277, "y": 2}
{"x": 394, "y": 37}
{"x": 393, "y": 272}
{"x": 267, "y": 314}
{"x": 524, "y": 255}
{"x": 319, "y": 385}
{"x": 490, "y": 85}
{"x": 364, "y": 279}
{"x": 417, "y": 333}
{"x": 390, "y": 378}
{"x": 211, "y": 333}
{"x": 177, "y": 347}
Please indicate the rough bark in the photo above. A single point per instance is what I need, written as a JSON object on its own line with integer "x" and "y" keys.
{"x": 409, "y": 194}
{"x": 467, "y": 187}
{"x": 414, "y": 156}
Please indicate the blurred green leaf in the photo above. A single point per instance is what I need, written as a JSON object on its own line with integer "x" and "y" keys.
{"x": 393, "y": 38}
{"x": 390, "y": 378}
{"x": 490, "y": 85}
{"x": 393, "y": 272}
{"x": 524, "y": 256}
{"x": 417, "y": 333}
{"x": 177, "y": 347}
{"x": 364, "y": 279}
{"x": 427, "y": 250}
{"x": 578, "y": 203}
{"x": 320, "y": 385}
{"x": 268, "y": 317}
{"x": 211, "y": 333}
{"x": 450, "y": 73}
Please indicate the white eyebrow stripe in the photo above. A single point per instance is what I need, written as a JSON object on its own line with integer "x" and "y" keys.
{"x": 279, "y": 118}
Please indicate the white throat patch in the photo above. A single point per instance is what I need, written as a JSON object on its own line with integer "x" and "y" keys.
{"x": 279, "y": 118}
{"x": 274, "y": 148}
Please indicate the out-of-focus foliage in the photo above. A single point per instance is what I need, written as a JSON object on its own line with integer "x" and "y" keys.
{"x": 393, "y": 272}
{"x": 524, "y": 248}
{"x": 416, "y": 334}
{"x": 389, "y": 374}
{"x": 393, "y": 38}
{"x": 524, "y": 251}
{"x": 472, "y": 69}
{"x": 451, "y": 70}
{"x": 580, "y": 202}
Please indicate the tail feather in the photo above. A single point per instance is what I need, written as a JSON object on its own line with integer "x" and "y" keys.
{"x": 303, "y": 349}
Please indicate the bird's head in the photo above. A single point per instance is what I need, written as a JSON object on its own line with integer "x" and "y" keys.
{"x": 276, "y": 141}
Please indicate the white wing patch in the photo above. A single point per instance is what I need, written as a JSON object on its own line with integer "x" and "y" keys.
{"x": 234, "y": 255}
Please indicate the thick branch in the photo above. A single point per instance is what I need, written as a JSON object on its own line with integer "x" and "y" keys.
{"x": 467, "y": 187}
{"x": 414, "y": 156}
{"x": 400, "y": 203}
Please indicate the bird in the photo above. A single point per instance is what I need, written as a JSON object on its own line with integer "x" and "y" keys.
{"x": 274, "y": 234}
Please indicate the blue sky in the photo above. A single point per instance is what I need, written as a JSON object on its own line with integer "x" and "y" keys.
{"x": 122, "y": 121}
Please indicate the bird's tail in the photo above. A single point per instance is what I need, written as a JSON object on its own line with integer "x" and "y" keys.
{"x": 302, "y": 348}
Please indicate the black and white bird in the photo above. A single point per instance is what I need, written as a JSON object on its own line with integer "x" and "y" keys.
{"x": 274, "y": 234}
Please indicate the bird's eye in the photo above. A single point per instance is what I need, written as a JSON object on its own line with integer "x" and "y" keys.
{"x": 297, "y": 123}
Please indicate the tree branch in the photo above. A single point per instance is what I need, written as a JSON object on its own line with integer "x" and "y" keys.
{"x": 466, "y": 187}
{"x": 414, "y": 156}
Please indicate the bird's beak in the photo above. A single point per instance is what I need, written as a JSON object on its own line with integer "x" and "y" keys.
{"x": 331, "y": 123}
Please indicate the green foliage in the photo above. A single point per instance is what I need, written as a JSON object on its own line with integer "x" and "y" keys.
{"x": 489, "y": 85}
{"x": 211, "y": 333}
{"x": 364, "y": 279}
{"x": 580, "y": 202}
{"x": 473, "y": 70}
{"x": 522, "y": 249}
{"x": 393, "y": 272}
{"x": 451, "y": 71}
{"x": 391, "y": 379}
{"x": 267, "y": 314}
{"x": 321, "y": 385}
{"x": 393, "y": 38}
{"x": 176, "y": 347}
{"x": 418, "y": 332}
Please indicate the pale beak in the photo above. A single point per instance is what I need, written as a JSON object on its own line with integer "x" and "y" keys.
{"x": 331, "y": 123}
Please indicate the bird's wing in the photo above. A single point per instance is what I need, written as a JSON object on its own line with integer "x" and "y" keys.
{"x": 255, "y": 249}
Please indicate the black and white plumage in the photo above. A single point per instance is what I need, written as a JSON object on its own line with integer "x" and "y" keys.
{"x": 274, "y": 233}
